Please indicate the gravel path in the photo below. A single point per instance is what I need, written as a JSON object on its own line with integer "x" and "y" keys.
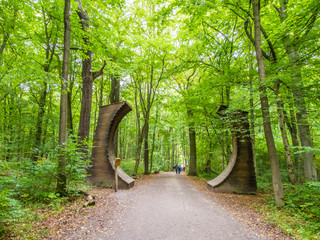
{"x": 166, "y": 206}
{"x": 170, "y": 207}
{"x": 163, "y": 206}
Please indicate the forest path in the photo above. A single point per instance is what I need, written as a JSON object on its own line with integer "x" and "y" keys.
{"x": 167, "y": 206}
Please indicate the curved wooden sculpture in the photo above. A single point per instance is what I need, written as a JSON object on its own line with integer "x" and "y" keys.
{"x": 103, "y": 157}
{"x": 239, "y": 176}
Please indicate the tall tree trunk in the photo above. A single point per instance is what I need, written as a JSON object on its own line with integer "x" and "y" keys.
{"x": 146, "y": 147}
{"x": 152, "y": 148}
{"x": 252, "y": 135}
{"x": 39, "y": 124}
{"x": 275, "y": 168}
{"x": 223, "y": 128}
{"x": 285, "y": 140}
{"x": 87, "y": 81}
{"x": 193, "y": 148}
{"x": 62, "y": 179}
{"x": 70, "y": 121}
{"x": 253, "y": 140}
{"x": 228, "y": 148}
{"x": 168, "y": 158}
{"x": 173, "y": 160}
{"x": 139, "y": 134}
{"x": 310, "y": 171}
{"x": 153, "y": 139}
{"x": 114, "y": 97}
{"x": 295, "y": 142}
{"x": 101, "y": 92}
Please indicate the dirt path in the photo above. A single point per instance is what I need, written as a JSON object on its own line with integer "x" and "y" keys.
{"x": 163, "y": 206}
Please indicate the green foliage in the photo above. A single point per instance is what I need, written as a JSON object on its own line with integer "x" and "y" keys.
{"x": 304, "y": 201}
{"x": 26, "y": 182}
{"x": 128, "y": 167}
{"x": 203, "y": 57}
{"x": 300, "y": 215}
{"x": 10, "y": 210}
{"x": 206, "y": 176}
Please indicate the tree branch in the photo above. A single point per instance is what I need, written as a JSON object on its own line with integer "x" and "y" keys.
{"x": 100, "y": 72}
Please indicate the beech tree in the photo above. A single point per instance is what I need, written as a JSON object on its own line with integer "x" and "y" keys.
{"x": 62, "y": 179}
{"x": 87, "y": 77}
{"x": 276, "y": 176}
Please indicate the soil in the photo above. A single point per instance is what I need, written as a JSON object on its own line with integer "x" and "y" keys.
{"x": 164, "y": 206}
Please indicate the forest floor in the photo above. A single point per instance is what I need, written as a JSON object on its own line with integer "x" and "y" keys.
{"x": 163, "y": 206}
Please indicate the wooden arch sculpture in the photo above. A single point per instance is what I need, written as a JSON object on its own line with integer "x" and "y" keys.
{"x": 239, "y": 176}
{"x": 103, "y": 157}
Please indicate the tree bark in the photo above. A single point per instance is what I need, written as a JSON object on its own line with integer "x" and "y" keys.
{"x": 153, "y": 139}
{"x": 292, "y": 126}
{"x": 146, "y": 147}
{"x": 168, "y": 159}
{"x": 39, "y": 124}
{"x": 114, "y": 97}
{"x": 310, "y": 171}
{"x": 286, "y": 145}
{"x": 62, "y": 179}
{"x": 87, "y": 81}
{"x": 193, "y": 148}
{"x": 139, "y": 134}
{"x": 3, "y": 45}
{"x": 275, "y": 168}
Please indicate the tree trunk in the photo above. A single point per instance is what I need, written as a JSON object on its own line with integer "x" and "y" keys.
{"x": 252, "y": 135}
{"x": 228, "y": 148}
{"x": 285, "y": 140}
{"x": 3, "y": 45}
{"x": 152, "y": 148}
{"x": 70, "y": 121}
{"x": 168, "y": 158}
{"x": 114, "y": 97}
{"x": 139, "y": 134}
{"x": 154, "y": 138}
{"x": 310, "y": 171}
{"x": 50, "y": 49}
{"x": 39, "y": 124}
{"x": 295, "y": 142}
{"x": 275, "y": 168}
{"x": 62, "y": 179}
{"x": 87, "y": 81}
{"x": 193, "y": 149}
{"x": 146, "y": 148}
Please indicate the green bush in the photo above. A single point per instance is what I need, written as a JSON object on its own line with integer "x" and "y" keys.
{"x": 25, "y": 183}
{"x": 304, "y": 200}
{"x": 128, "y": 167}
{"x": 10, "y": 210}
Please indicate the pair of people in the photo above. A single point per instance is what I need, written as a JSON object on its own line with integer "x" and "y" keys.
{"x": 177, "y": 168}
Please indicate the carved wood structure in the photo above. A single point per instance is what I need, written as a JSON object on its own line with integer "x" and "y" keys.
{"x": 239, "y": 176}
{"x": 103, "y": 157}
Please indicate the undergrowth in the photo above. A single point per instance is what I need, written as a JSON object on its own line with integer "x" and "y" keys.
{"x": 300, "y": 214}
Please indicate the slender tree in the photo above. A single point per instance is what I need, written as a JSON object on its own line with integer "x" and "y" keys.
{"x": 276, "y": 176}
{"x": 291, "y": 45}
{"x": 62, "y": 179}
